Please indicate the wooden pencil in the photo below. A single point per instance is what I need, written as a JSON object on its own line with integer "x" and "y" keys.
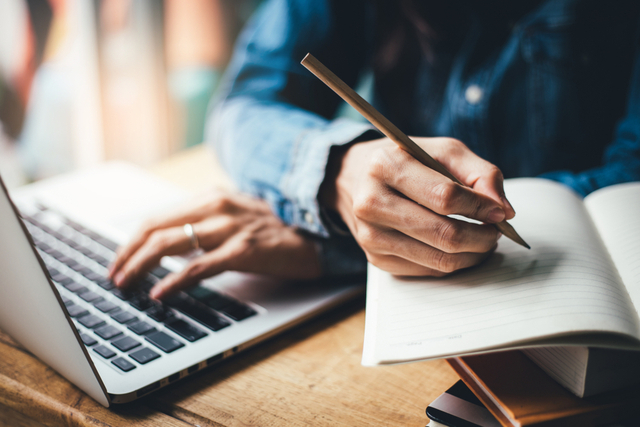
{"x": 390, "y": 130}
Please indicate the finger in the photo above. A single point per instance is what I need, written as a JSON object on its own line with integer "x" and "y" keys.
{"x": 402, "y": 267}
{"x": 170, "y": 241}
{"x": 215, "y": 203}
{"x": 205, "y": 266}
{"x": 446, "y": 234}
{"x": 214, "y": 231}
{"x": 397, "y": 244}
{"x": 469, "y": 168}
{"x": 124, "y": 252}
{"x": 434, "y": 191}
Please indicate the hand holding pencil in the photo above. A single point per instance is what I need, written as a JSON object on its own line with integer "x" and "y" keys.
{"x": 397, "y": 208}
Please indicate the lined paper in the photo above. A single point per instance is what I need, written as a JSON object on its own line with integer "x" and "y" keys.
{"x": 616, "y": 213}
{"x": 566, "y": 283}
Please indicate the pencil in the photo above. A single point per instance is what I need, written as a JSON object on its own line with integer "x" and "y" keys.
{"x": 390, "y": 130}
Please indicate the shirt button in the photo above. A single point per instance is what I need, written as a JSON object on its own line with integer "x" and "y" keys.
{"x": 308, "y": 217}
{"x": 473, "y": 94}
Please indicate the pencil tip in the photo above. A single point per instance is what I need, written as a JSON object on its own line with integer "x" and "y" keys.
{"x": 508, "y": 231}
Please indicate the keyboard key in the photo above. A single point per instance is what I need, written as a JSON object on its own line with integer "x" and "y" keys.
{"x": 88, "y": 340}
{"x": 238, "y": 311}
{"x": 105, "y": 352}
{"x": 144, "y": 285}
{"x": 106, "y": 284}
{"x": 123, "y": 364}
{"x": 141, "y": 327}
{"x": 144, "y": 355}
{"x": 125, "y": 344}
{"x": 201, "y": 293}
{"x": 84, "y": 270}
{"x": 85, "y": 251}
{"x": 216, "y": 301}
{"x": 106, "y": 306}
{"x": 185, "y": 330}
{"x": 160, "y": 272}
{"x": 76, "y": 287}
{"x": 163, "y": 341}
{"x": 91, "y": 321}
{"x": 142, "y": 302}
{"x": 160, "y": 313}
{"x": 107, "y": 332}
{"x": 109, "y": 244}
{"x": 199, "y": 312}
{"x": 42, "y": 246}
{"x": 69, "y": 262}
{"x": 90, "y": 296}
{"x": 124, "y": 317}
{"x": 100, "y": 260}
{"x": 56, "y": 254}
{"x": 229, "y": 306}
{"x": 122, "y": 294}
{"x": 77, "y": 311}
{"x": 92, "y": 275}
{"x": 62, "y": 279}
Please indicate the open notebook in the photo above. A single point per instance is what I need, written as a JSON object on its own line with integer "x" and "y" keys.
{"x": 578, "y": 285}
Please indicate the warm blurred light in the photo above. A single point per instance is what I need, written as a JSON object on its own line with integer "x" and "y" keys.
{"x": 119, "y": 79}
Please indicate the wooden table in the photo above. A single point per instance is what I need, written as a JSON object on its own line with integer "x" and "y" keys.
{"x": 310, "y": 375}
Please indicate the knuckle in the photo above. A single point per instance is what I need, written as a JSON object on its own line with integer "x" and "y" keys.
{"x": 148, "y": 226}
{"x": 494, "y": 172}
{"x": 456, "y": 145}
{"x": 446, "y": 195}
{"x": 220, "y": 202}
{"x": 449, "y": 236}
{"x": 384, "y": 163}
{"x": 157, "y": 240}
{"x": 195, "y": 270}
{"x": 444, "y": 262}
{"x": 453, "y": 146}
{"x": 368, "y": 238}
{"x": 365, "y": 205}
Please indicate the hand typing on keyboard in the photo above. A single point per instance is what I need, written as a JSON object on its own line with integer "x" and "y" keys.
{"x": 232, "y": 231}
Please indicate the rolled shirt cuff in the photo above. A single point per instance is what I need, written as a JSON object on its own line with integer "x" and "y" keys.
{"x": 301, "y": 184}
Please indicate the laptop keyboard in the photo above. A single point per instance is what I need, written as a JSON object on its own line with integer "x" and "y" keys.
{"x": 125, "y": 327}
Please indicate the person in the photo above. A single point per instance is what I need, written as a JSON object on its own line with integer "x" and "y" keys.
{"x": 490, "y": 89}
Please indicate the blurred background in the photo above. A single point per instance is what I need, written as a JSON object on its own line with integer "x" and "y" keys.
{"x": 85, "y": 81}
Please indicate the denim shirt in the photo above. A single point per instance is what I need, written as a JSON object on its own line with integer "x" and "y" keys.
{"x": 557, "y": 97}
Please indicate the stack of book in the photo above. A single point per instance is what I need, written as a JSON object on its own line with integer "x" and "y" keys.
{"x": 568, "y": 306}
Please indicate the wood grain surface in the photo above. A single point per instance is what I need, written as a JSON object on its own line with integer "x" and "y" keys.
{"x": 310, "y": 375}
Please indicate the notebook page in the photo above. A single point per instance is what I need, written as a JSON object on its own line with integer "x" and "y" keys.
{"x": 565, "y": 283}
{"x": 616, "y": 213}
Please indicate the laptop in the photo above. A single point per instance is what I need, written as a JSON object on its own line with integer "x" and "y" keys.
{"x": 57, "y": 238}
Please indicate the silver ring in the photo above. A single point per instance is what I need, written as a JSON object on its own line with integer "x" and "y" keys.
{"x": 191, "y": 234}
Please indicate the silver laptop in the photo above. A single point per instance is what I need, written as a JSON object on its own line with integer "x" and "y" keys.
{"x": 57, "y": 238}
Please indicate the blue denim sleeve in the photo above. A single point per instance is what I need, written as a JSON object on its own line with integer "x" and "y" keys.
{"x": 273, "y": 125}
{"x": 621, "y": 161}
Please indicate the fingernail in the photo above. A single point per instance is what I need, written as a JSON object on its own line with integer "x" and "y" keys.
{"x": 507, "y": 204}
{"x": 119, "y": 279}
{"x": 495, "y": 215}
{"x": 499, "y": 236}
